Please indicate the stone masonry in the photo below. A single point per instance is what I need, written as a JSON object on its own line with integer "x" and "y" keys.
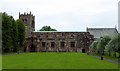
{"x": 54, "y": 41}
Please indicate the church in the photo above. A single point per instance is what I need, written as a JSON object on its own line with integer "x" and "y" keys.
{"x": 53, "y": 41}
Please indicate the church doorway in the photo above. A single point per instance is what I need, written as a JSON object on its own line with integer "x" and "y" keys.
{"x": 32, "y": 48}
{"x": 83, "y": 50}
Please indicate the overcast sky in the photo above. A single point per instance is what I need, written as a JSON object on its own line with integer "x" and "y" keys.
{"x": 66, "y": 15}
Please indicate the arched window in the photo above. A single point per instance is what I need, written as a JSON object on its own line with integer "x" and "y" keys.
{"x": 23, "y": 20}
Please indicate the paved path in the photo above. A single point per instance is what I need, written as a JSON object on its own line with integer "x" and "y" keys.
{"x": 107, "y": 59}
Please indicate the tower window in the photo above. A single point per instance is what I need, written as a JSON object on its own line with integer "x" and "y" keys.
{"x": 23, "y": 20}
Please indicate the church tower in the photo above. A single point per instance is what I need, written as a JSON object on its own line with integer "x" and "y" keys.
{"x": 29, "y": 21}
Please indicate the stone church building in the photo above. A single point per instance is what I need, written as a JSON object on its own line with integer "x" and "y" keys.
{"x": 53, "y": 41}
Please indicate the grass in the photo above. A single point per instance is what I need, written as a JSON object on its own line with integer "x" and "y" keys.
{"x": 0, "y": 62}
{"x": 54, "y": 61}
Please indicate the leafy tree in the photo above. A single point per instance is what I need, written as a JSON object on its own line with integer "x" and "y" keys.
{"x": 93, "y": 46}
{"x": 104, "y": 41}
{"x": 0, "y": 32}
{"x": 6, "y": 32}
{"x": 21, "y": 34}
{"x": 113, "y": 45}
{"x": 47, "y": 28}
{"x": 14, "y": 32}
{"x": 118, "y": 44}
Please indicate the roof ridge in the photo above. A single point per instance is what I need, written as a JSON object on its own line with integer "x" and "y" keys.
{"x": 101, "y": 28}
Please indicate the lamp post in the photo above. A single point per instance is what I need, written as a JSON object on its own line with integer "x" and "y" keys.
{"x": 103, "y": 50}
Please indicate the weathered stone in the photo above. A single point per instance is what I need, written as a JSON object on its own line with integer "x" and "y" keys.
{"x": 54, "y": 41}
{"x": 61, "y": 43}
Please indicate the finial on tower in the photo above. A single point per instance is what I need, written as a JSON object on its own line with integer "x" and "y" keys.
{"x": 19, "y": 13}
{"x": 24, "y": 13}
{"x": 115, "y": 27}
{"x": 30, "y": 12}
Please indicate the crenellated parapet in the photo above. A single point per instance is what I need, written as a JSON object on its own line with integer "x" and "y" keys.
{"x": 29, "y": 20}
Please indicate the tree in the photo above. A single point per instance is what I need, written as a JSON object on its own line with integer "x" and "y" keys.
{"x": 6, "y": 33}
{"x": 21, "y": 34}
{"x": 14, "y": 32}
{"x": 0, "y": 31}
{"x": 93, "y": 46}
{"x": 110, "y": 47}
{"x": 118, "y": 44}
{"x": 113, "y": 45}
{"x": 104, "y": 41}
{"x": 47, "y": 28}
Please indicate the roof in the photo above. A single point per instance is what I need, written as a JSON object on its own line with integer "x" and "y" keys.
{"x": 59, "y": 31}
{"x": 101, "y": 32}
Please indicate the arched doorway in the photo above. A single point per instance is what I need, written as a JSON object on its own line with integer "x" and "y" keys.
{"x": 83, "y": 50}
{"x": 32, "y": 48}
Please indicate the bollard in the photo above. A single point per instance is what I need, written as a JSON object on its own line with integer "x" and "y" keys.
{"x": 101, "y": 57}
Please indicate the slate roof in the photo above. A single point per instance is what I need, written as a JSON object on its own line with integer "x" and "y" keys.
{"x": 101, "y": 32}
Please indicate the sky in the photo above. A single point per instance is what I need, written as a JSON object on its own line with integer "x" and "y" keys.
{"x": 66, "y": 15}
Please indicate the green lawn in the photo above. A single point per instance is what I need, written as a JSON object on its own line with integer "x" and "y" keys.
{"x": 0, "y": 62}
{"x": 54, "y": 61}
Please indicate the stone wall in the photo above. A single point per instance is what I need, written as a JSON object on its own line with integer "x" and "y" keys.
{"x": 59, "y": 41}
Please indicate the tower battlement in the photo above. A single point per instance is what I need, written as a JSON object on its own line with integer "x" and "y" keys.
{"x": 26, "y": 14}
{"x": 29, "y": 20}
